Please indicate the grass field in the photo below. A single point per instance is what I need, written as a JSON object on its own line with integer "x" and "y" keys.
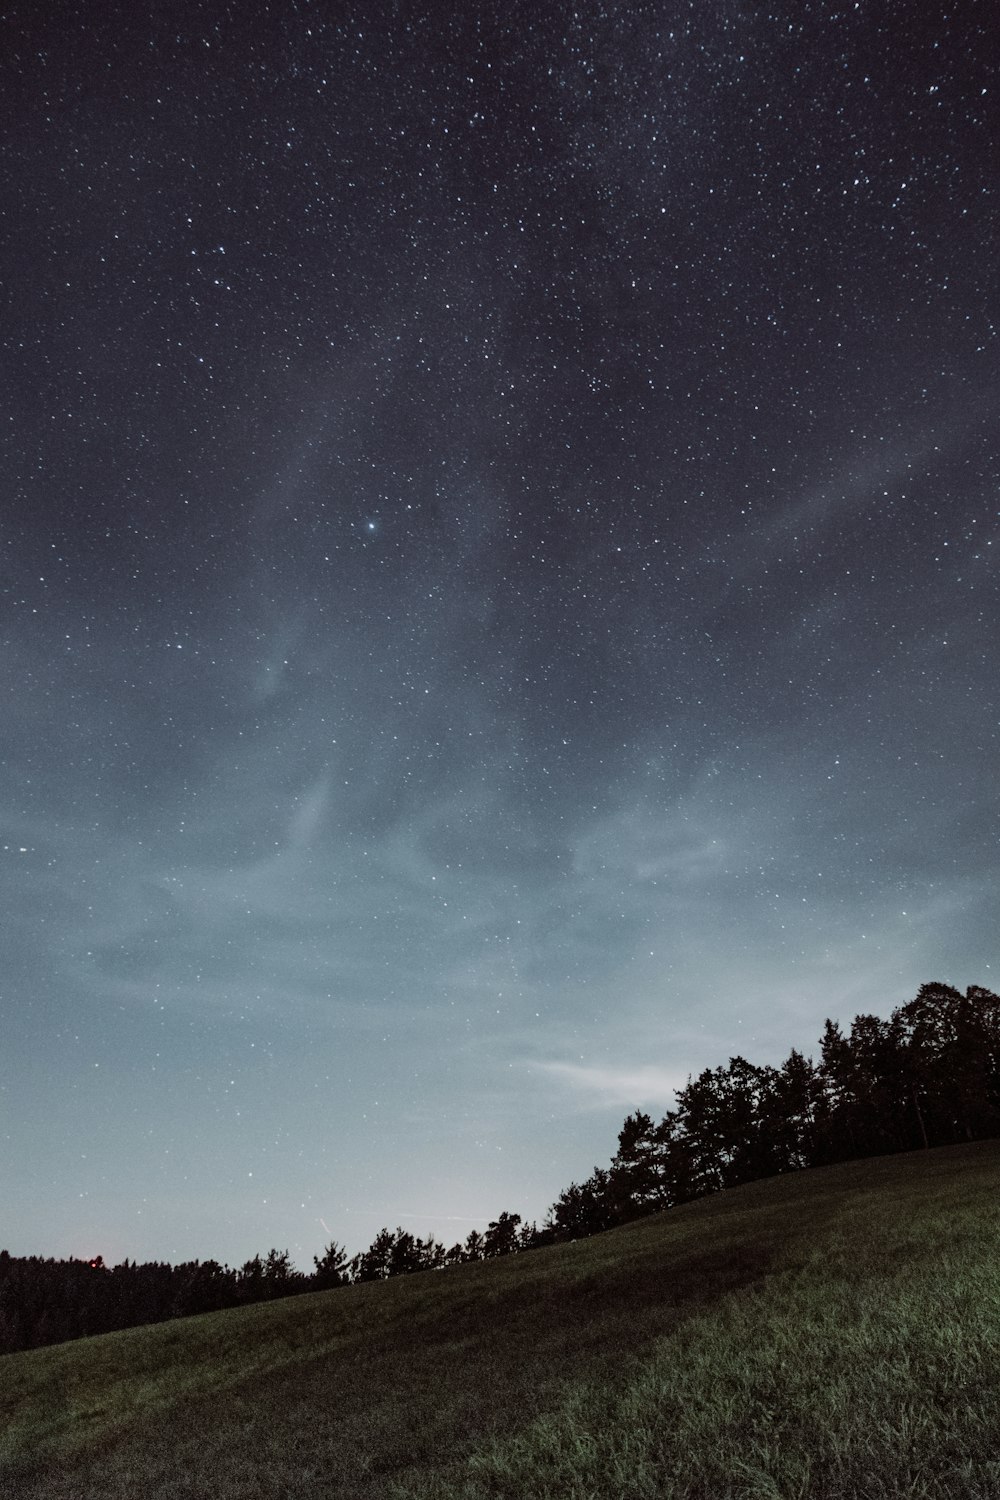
{"x": 832, "y": 1333}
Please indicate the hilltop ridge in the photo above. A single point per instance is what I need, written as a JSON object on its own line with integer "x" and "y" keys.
{"x": 816, "y": 1325}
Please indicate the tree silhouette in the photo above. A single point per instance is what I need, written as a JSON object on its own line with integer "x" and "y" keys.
{"x": 502, "y": 1236}
{"x": 331, "y": 1268}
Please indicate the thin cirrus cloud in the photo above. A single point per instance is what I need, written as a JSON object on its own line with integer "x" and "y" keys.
{"x": 606, "y": 1085}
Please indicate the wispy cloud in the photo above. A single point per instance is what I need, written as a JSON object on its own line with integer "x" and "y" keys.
{"x": 603, "y": 1084}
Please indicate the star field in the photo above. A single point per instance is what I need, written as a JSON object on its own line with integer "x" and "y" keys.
{"x": 499, "y": 588}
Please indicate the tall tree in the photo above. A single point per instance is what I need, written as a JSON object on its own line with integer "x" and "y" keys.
{"x": 636, "y": 1178}
{"x": 865, "y": 1077}
{"x": 797, "y": 1113}
{"x": 725, "y": 1112}
{"x": 950, "y": 1043}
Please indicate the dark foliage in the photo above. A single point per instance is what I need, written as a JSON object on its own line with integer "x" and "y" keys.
{"x": 49, "y": 1301}
{"x": 928, "y": 1076}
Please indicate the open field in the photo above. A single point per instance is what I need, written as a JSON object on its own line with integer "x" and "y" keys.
{"x": 832, "y": 1333}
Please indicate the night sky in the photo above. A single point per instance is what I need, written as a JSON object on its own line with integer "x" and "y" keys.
{"x": 499, "y": 613}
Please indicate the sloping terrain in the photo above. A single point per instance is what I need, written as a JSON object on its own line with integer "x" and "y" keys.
{"x": 829, "y": 1333}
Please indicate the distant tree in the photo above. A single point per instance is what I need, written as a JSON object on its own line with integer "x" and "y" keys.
{"x": 331, "y": 1268}
{"x": 502, "y": 1236}
{"x": 406, "y": 1254}
{"x": 530, "y": 1237}
{"x": 473, "y": 1247}
{"x": 201, "y": 1287}
{"x": 374, "y": 1263}
{"x": 250, "y": 1280}
{"x": 279, "y": 1273}
{"x": 397, "y": 1253}
{"x": 270, "y": 1278}
{"x": 433, "y": 1255}
{"x": 583, "y": 1209}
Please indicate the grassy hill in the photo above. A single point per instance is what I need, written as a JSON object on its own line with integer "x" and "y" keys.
{"x": 830, "y": 1333}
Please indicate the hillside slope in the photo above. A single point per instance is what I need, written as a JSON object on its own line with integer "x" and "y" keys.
{"x": 829, "y": 1333}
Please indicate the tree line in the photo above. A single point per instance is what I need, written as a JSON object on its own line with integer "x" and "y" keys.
{"x": 51, "y": 1301}
{"x": 927, "y": 1076}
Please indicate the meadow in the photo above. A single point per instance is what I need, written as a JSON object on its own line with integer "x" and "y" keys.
{"x": 827, "y": 1333}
